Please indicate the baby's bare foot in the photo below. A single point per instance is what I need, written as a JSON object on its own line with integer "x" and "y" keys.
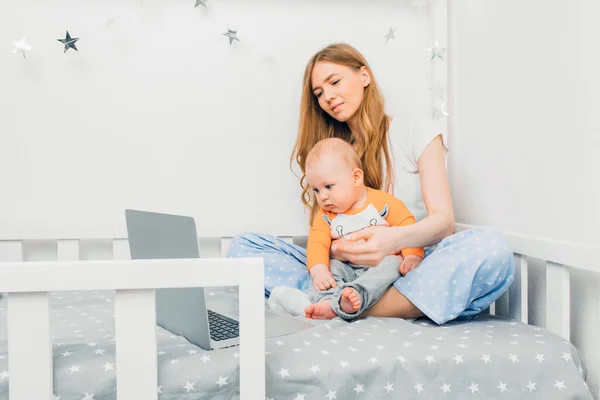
{"x": 320, "y": 310}
{"x": 350, "y": 301}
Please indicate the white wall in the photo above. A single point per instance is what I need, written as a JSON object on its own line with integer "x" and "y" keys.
{"x": 158, "y": 112}
{"x": 525, "y": 132}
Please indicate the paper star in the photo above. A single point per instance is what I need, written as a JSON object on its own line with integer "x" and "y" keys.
{"x": 205, "y": 358}
{"x": 174, "y": 361}
{"x": 373, "y": 360}
{"x": 390, "y": 387}
{"x": 269, "y": 60}
{"x": 437, "y": 51}
{"x": 66, "y": 353}
{"x": 192, "y": 352}
{"x": 439, "y": 111}
{"x": 222, "y": 381}
{"x": 418, "y": 387}
{"x": 531, "y": 386}
{"x": 284, "y": 372}
{"x": 566, "y": 356}
{"x": 3, "y": 375}
{"x": 438, "y": 91}
{"x": 560, "y": 385}
{"x": 344, "y": 364}
{"x": 430, "y": 360}
{"x": 69, "y": 42}
{"x": 445, "y": 387}
{"x": 458, "y": 359}
{"x": 486, "y": 358}
{"x": 474, "y": 388}
{"x": 236, "y": 355}
{"x": 200, "y": 3}
{"x": 359, "y": 388}
{"x": 390, "y": 34}
{"x": 189, "y": 386}
{"x": 88, "y": 396}
{"x": 401, "y": 359}
{"x": 74, "y": 368}
{"x": 314, "y": 369}
{"x": 502, "y": 387}
{"x": 539, "y": 357}
{"x": 21, "y": 47}
{"x": 232, "y": 35}
{"x": 331, "y": 395}
{"x": 159, "y": 389}
{"x": 299, "y": 396}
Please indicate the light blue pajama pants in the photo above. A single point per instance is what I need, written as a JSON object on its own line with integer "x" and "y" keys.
{"x": 459, "y": 278}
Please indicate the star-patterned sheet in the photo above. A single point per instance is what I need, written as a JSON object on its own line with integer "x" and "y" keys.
{"x": 366, "y": 359}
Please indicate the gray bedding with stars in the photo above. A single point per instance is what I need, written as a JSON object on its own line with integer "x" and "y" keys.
{"x": 366, "y": 359}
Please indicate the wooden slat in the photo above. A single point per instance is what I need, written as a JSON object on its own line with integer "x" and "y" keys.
{"x": 558, "y": 300}
{"x": 225, "y": 244}
{"x": 120, "y": 249}
{"x": 11, "y": 250}
{"x": 29, "y": 346}
{"x": 120, "y": 274}
{"x": 135, "y": 333}
{"x": 252, "y": 331}
{"x": 518, "y": 291}
{"x": 67, "y": 250}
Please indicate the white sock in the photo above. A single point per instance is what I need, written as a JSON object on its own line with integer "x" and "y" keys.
{"x": 288, "y": 300}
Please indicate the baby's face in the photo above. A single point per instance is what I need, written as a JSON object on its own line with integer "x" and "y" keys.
{"x": 333, "y": 184}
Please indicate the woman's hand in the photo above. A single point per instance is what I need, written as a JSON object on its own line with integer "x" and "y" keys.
{"x": 368, "y": 246}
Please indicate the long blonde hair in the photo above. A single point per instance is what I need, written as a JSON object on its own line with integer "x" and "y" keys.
{"x": 316, "y": 124}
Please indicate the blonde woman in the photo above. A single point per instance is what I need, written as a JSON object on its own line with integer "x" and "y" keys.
{"x": 461, "y": 275}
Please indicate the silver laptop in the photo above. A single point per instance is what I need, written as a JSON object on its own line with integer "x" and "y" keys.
{"x": 183, "y": 311}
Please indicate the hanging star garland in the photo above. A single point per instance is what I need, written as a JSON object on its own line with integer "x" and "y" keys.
{"x": 437, "y": 51}
{"x": 232, "y": 35}
{"x": 21, "y": 47}
{"x": 69, "y": 42}
{"x": 390, "y": 34}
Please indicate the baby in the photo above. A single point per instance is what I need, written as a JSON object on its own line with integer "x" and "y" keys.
{"x": 334, "y": 173}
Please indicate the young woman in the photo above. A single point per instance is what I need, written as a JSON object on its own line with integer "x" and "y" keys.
{"x": 462, "y": 274}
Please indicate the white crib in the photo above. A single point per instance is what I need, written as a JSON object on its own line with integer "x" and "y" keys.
{"x": 28, "y": 284}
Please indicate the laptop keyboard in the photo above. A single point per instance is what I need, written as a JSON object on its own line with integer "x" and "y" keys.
{"x": 221, "y": 327}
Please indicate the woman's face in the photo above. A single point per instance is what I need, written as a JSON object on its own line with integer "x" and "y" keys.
{"x": 339, "y": 89}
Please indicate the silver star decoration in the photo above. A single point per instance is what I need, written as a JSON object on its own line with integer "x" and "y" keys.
{"x": 269, "y": 60}
{"x": 439, "y": 111}
{"x": 437, "y": 51}
{"x": 232, "y": 35}
{"x": 69, "y": 42}
{"x": 390, "y": 34}
{"x": 200, "y": 3}
{"x": 21, "y": 47}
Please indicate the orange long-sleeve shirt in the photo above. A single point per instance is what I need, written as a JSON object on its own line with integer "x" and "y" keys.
{"x": 381, "y": 208}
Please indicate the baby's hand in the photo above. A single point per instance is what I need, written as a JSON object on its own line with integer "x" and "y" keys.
{"x": 321, "y": 277}
{"x": 409, "y": 263}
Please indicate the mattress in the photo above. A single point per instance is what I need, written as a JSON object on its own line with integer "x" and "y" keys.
{"x": 372, "y": 358}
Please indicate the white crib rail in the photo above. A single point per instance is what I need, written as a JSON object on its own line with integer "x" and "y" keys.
{"x": 559, "y": 258}
{"x": 28, "y": 284}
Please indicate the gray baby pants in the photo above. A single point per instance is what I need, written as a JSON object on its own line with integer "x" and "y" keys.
{"x": 369, "y": 282}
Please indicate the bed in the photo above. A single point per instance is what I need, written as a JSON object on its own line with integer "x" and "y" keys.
{"x": 371, "y": 358}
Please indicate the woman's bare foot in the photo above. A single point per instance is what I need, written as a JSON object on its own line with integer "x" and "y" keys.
{"x": 350, "y": 301}
{"x": 320, "y": 310}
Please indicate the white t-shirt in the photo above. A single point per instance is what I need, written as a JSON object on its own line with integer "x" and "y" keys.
{"x": 407, "y": 140}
